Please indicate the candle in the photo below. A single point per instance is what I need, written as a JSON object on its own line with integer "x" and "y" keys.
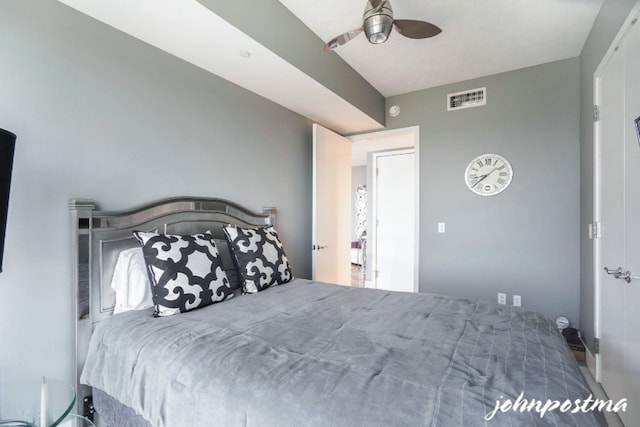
{"x": 43, "y": 403}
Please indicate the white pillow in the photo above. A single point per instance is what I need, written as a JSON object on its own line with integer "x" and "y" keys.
{"x": 131, "y": 282}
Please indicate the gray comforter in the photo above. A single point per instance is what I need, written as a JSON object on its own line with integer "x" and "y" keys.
{"x": 314, "y": 354}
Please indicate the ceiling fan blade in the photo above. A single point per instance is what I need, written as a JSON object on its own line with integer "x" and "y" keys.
{"x": 342, "y": 39}
{"x": 416, "y": 29}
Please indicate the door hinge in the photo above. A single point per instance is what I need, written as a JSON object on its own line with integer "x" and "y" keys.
{"x": 596, "y": 113}
{"x": 597, "y": 229}
{"x": 596, "y": 346}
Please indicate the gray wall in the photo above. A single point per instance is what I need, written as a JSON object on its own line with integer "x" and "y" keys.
{"x": 606, "y": 26}
{"x": 525, "y": 240}
{"x": 99, "y": 114}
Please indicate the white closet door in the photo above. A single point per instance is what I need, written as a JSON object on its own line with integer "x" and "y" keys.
{"x": 611, "y": 214}
{"x": 618, "y": 210}
{"x": 632, "y": 223}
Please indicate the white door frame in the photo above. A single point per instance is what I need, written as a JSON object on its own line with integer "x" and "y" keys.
{"x": 593, "y": 361}
{"x": 414, "y": 131}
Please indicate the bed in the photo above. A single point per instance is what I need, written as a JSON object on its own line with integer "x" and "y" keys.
{"x": 304, "y": 353}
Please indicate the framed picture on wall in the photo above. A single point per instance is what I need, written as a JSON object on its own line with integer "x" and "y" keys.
{"x": 638, "y": 128}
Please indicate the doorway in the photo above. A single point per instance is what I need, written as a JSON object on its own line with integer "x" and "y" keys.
{"x": 381, "y": 250}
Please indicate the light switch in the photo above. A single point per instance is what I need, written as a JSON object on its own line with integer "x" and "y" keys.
{"x": 441, "y": 227}
{"x": 517, "y": 301}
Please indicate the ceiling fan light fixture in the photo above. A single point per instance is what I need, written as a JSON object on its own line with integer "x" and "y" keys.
{"x": 378, "y": 22}
{"x": 377, "y": 28}
{"x": 377, "y": 38}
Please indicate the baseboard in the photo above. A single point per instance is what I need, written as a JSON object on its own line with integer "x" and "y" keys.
{"x": 590, "y": 360}
{"x": 368, "y": 284}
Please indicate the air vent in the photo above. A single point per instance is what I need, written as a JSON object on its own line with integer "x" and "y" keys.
{"x": 467, "y": 99}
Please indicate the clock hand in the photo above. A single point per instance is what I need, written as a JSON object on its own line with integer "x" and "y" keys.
{"x": 480, "y": 178}
{"x": 483, "y": 177}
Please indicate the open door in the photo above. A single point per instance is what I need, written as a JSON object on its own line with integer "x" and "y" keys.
{"x": 331, "y": 229}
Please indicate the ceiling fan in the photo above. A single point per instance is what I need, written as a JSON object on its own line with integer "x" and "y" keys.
{"x": 377, "y": 23}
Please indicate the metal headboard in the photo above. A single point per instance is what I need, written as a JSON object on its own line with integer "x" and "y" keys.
{"x": 99, "y": 236}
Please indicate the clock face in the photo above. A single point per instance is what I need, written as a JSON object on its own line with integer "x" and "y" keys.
{"x": 488, "y": 175}
{"x": 394, "y": 110}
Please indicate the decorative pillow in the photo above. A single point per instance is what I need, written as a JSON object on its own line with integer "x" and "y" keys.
{"x": 259, "y": 256}
{"x": 131, "y": 282}
{"x": 185, "y": 271}
{"x": 228, "y": 264}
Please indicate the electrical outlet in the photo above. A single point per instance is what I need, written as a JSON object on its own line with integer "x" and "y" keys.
{"x": 517, "y": 301}
{"x": 502, "y": 298}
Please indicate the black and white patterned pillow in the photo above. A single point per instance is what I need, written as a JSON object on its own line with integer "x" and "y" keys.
{"x": 185, "y": 271}
{"x": 229, "y": 264}
{"x": 260, "y": 257}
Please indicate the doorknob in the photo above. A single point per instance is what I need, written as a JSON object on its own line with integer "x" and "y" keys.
{"x": 619, "y": 274}
{"x": 614, "y": 272}
{"x": 626, "y": 276}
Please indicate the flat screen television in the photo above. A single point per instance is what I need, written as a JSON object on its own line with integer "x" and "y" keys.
{"x": 7, "y": 147}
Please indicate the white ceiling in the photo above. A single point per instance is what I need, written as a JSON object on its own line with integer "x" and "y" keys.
{"x": 478, "y": 38}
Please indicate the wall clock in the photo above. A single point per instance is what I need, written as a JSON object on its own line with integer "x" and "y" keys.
{"x": 394, "y": 110}
{"x": 488, "y": 174}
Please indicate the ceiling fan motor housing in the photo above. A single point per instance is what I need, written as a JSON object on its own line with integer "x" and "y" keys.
{"x": 378, "y": 22}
